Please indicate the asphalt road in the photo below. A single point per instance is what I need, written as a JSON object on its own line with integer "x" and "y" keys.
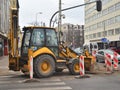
{"x": 10, "y": 80}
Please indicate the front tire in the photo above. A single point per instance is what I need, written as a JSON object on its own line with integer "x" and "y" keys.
{"x": 44, "y": 66}
{"x": 74, "y": 67}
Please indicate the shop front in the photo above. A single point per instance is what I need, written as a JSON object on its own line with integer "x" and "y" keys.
{"x": 3, "y": 46}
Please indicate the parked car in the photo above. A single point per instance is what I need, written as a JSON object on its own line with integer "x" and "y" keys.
{"x": 116, "y": 49}
{"x": 100, "y": 55}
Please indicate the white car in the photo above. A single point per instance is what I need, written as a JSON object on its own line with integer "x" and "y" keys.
{"x": 100, "y": 55}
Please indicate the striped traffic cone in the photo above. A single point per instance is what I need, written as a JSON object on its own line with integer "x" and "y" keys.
{"x": 31, "y": 73}
{"x": 108, "y": 62}
{"x": 94, "y": 54}
{"x": 115, "y": 61}
{"x": 31, "y": 67}
{"x": 82, "y": 68}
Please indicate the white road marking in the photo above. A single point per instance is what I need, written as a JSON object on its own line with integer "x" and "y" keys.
{"x": 47, "y": 88}
{"x": 43, "y": 84}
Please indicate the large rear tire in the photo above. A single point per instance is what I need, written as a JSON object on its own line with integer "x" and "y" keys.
{"x": 44, "y": 66}
{"x": 74, "y": 67}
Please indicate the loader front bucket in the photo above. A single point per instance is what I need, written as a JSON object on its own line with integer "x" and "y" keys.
{"x": 87, "y": 63}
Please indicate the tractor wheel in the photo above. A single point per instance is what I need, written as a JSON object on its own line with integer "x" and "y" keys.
{"x": 74, "y": 67}
{"x": 44, "y": 66}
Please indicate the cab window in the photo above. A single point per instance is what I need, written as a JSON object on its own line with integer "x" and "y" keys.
{"x": 51, "y": 38}
{"x": 38, "y": 37}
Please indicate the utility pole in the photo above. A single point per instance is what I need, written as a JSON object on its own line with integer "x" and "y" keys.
{"x": 98, "y": 9}
{"x": 104, "y": 34}
{"x": 59, "y": 20}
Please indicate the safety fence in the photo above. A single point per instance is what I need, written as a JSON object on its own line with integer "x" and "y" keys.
{"x": 111, "y": 63}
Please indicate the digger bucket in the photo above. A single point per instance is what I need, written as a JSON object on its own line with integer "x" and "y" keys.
{"x": 88, "y": 63}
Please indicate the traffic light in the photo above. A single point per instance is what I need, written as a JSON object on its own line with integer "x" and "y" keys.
{"x": 99, "y": 5}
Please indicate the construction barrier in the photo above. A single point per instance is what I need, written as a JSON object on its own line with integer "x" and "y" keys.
{"x": 31, "y": 67}
{"x": 115, "y": 61}
{"x": 108, "y": 62}
{"x": 94, "y": 54}
{"x": 82, "y": 68}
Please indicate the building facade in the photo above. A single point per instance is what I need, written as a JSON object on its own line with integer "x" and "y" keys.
{"x": 73, "y": 34}
{"x": 4, "y": 26}
{"x": 5, "y": 23}
{"x": 104, "y": 24}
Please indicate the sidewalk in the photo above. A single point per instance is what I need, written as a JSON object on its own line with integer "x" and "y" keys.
{"x": 4, "y": 65}
{"x": 100, "y": 68}
{"x": 4, "y": 61}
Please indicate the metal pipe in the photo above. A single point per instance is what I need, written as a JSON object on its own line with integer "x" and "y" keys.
{"x": 68, "y": 9}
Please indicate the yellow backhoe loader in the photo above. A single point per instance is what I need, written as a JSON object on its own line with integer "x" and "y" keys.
{"x": 42, "y": 44}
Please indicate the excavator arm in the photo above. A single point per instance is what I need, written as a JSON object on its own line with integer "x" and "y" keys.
{"x": 67, "y": 52}
{"x": 13, "y": 41}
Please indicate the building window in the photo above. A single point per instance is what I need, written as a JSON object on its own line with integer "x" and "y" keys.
{"x": 95, "y": 16}
{"x": 111, "y": 9}
{"x": 99, "y": 34}
{"x": 99, "y": 24}
{"x": 105, "y": 1}
{"x": 90, "y": 36}
{"x": 105, "y": 23}
{"x": 86, "y": 36}
{"x": 117, "y": 19}
{"x": 87, "y": 29}
{"x": 111, "y": 21}
{"x": 111, "y": 32}
{"x": 117, "y": 31}
{"x": 104, "y": 12}
{"x": 94, "y": 35}
{"x": 104, "y": 33}
{"x": 117, "y": 6}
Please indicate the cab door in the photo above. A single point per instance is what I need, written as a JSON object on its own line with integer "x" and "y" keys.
{"x": 52, "y": 41}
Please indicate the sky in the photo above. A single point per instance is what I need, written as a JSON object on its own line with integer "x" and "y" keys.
{"x": 29, "y": 9}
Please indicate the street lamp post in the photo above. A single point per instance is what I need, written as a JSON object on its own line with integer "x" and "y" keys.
{"x": 67, "y": 9}
{"x": 104, "y": 33}
{"x": 36, "y": 17}
{"x": 59, "y": 21}
{"x": 56, "y": 20}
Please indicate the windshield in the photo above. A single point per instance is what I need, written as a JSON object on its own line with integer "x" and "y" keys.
{"x": 51, "y": 38}
{"x": 37, "y": 38}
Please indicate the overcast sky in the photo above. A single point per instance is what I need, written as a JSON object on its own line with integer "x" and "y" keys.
{"x": 29, "y": 9}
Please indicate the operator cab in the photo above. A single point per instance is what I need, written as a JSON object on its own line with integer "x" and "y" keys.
{"x": 38, "y": 37}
